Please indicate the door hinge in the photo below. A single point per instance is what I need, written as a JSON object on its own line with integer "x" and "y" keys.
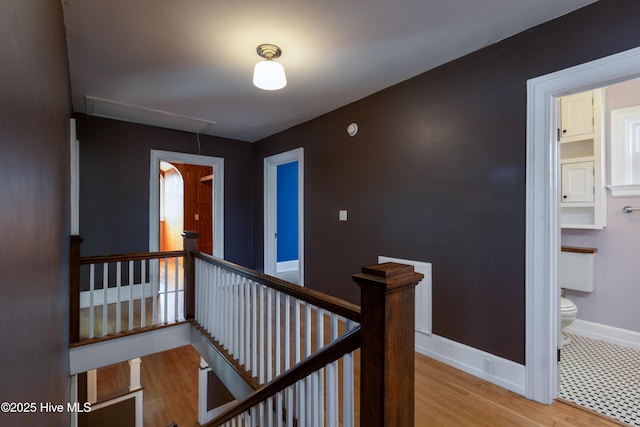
{"x": 558, "y": 134}
{"x": 558, "y": 355}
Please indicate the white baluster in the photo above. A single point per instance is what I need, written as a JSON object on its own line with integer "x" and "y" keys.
{"x": 289, "y": 395}
{"x": 332, "y": 394}
{"x": 287, "y": 332}
{"x": 233, "y": 345}
{"x": 254, "y": 417}
{"x": 319, "y": 409}
{"x": 131, "y": 264}
{"x": 211, "y": 290}
{"x": 278, "y": 345}
{"x": 269, "y": 326}
{"x": 241, "y": 319}
{"x": 307, "y": 330}
{"x": 347, "y": 386}
{"x": 118, "y": 286}
{"x": 92, "y": 274}
{"x": 154, "y": 272}
{"x": 254, "y": 329}
{"x": 332, "y": 379}
{"x": 165, "y": 299}
{"x": 216, "y": 317}
{"x": 302, "y": 400}
{"x": 209, "y": 308}
{"x": 297, "y": 334}
{"x": 229, "y": 311}
{"x": 220, "y": 300}
{"x": 308, "y": 386}
{"x": 176, "y": 286}
{"x": 105, "y": 299}
{"x": 279, "y": 415}
{"x": 143, "y": 299}
{"x": 198, "y": 295}
{"x": 269, "y": 411}
{"x": 261, "y": 325}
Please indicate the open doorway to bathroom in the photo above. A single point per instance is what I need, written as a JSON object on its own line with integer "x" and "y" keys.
{"x": 598, "y": 365}
{"x": 543, "y": 204}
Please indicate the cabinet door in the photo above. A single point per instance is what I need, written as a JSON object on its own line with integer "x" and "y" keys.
{"x": 577, "y": 114}
{"x": 577, "y": 182}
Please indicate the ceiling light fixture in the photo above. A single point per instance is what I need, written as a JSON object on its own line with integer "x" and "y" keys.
{"x": 268, "y": 74}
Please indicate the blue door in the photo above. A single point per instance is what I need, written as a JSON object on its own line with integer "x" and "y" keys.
{"x": 287, "y": 216}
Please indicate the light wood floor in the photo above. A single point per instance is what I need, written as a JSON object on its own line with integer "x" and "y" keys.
{"x": 170, "y": 381}
{"x": 444, "y": 396}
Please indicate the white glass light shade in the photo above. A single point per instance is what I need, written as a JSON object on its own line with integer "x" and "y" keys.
{"x": 269, "y": 75}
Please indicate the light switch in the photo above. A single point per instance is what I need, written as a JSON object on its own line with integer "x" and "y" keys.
{"x": 342, "y": 215}
{"x": 197, "y": 217}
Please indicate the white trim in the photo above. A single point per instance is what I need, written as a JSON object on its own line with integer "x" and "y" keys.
{"x": 496, "y": 370}
{"x": 75, "y": 178}
{"x": 610, "y": 334}
{"x": 542, "y": 219}
{"x": 270, "y": 174}
{"x": 137, "y": 395}
{"x": 204, "y": 415}
{"x": 283, "y": 266}
{"x": 217, "y": 189}
{"x": 423, "y": 292}
{"x": 104, "y": 353}
{"x": 624, "y": 190}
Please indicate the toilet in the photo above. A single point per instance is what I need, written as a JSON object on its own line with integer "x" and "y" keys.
{"x": 568, "y": 313}
{"x": 576, "y": 271}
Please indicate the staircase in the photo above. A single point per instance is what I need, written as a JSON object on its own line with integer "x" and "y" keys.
{"x": 291, "y": 356}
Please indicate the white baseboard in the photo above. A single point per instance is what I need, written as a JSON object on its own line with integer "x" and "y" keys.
{"x": 496, "y": 370}
{"x": 283, "y": 266}
{"x": 112, "y": 295}
{"x": 610, "y": 334}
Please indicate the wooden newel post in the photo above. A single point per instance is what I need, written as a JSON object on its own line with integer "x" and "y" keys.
{"x": 190, "y": 239}
{"x": 74, "y": 288}
{"x": 387, "y": 361}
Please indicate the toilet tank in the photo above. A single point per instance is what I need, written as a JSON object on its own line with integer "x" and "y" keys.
{"x": 576, "y": 268}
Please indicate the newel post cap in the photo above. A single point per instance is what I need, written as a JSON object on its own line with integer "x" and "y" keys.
{"x": 388, "y": 276}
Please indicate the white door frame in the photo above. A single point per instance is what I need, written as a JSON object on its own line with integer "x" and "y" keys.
{"x": 542, "y": 218}
{"x": 271, "y": 164}
{"x": 217, "y": 189}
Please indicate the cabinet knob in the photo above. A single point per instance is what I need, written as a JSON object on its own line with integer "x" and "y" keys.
{"x": 564, "y": 197}
{"x": 564, "y": 131}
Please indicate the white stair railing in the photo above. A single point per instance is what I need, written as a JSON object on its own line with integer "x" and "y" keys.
{"x": 125, "y": 292}
{"x": 268, "y": 326}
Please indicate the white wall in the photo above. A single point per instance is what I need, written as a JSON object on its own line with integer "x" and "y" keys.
{"x": 617, "y": 288}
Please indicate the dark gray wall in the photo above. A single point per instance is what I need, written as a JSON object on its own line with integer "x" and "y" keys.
{"x": 437, "y": 173}
{"x": 114, "y": 185}
{"x": 35, "y": 108}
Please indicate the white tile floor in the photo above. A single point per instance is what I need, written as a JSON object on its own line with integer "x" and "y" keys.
{"x": 603, "y": 377}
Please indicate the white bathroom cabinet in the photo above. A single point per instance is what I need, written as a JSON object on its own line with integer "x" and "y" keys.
{"x": 582, "y": 192}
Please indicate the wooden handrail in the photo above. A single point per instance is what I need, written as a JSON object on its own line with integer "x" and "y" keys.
{"x": 319, "y": 299}
{"x": 329, "y": 354}
{"x": 130, "y": 257}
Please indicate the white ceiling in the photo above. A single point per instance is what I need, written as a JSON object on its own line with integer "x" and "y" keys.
{"x": 188, "y": 64}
